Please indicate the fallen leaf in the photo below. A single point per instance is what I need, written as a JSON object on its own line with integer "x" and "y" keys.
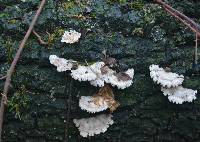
{"x": 105, "y": 94}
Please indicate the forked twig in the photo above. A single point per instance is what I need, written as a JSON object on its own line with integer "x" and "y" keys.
{"x": 185, "y": 20}
{"x": 14, "y": 62}
{"x": 180, "y": 16}
{"x": 39, "y": 38}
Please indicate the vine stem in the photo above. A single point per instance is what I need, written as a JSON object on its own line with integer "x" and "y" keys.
{"x": 180, "y": 16}
{"x": 13, "y": 64}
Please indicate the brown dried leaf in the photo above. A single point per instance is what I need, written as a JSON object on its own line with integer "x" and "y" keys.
{"x": 105, "y": 94}
{"x": 114, "y": 106}
{"x": 122, "y": 76}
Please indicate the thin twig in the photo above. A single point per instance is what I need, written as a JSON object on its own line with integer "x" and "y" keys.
{"x": 39, "y": 38}
{"x": 184, "y": 22}
{"x": 180, "y": 16}
{"x": 196, "y": 51}
{"x": 179, "y": 13}
{"x": 12, "y": 67}
{"x": 3, "y": 77}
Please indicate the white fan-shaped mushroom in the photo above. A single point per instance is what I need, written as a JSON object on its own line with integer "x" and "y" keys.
{"x": 179, "y": 94}
{"x": 83, "y": 73}
{"x": 130, "y": 72}
{"x": 93, "y": 125}
{"x": 61, "y": 63}
{"x": 87, "y": 103}
{"x": 164, "y": 78}
{"x": 121, "y": 84}
{"x": 102, "y": 78}
{"x": 70, "y": 36}
{"x": 87, "y": 73}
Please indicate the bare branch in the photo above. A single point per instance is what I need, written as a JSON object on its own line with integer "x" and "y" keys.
{"x": 184, "y": 22}
{"x": 12, "y": 67}
{"x": 181, "y": 17}
{"x": 3, "y": 77}
{"x": 39, "y": 38}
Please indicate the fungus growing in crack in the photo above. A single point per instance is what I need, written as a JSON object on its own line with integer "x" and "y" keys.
{"x": 101, "y": 101}
{"x": 71, "y": 36}
{"x": 61, "y": 63}
{"x": 93, "y": 125}
{"x": 165, "y": 78}
{"x": 179, "y": 94}
{"x": 122, "y": 79}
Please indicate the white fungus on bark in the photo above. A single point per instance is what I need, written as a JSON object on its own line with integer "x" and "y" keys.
{"x": 121, "y": 84}
{"x": 87, "y": 103}
{"x": 61, "y": 63}
{"x": 83, "y": 73}
{"x": 93, "y": 125}
{"x": 164, "y": 78}
{"x": 97, "y": 74}
{"x": 179, "y": 94}
{"x": 102, "y": 78}
{"x": 87, "y": 73}
{"x": 71, "y": 36}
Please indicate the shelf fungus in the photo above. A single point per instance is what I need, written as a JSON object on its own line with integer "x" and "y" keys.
{"x": 164, "y": 77}
{"x": 122, "y": 79}
{"x": 93, "y": 125}
{"x": 61, "y": 63}
{"x": 179, "y": 94}
{"x": 71, "y": 36}
{"x": 89, "y": 104}
{"x": 101, "y": 101}
{"x": 87, "y": 73}
{"x": 103, "y": 76}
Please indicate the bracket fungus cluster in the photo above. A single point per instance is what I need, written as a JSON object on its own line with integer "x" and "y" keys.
{"x": 71, "y": 36}
{"x": 99, "y": 74}
{"x": 103, "y": 100}
{"x": 105, "y": 74}
{"x": 94, "y": 125}
{"x": 172, "y": 85}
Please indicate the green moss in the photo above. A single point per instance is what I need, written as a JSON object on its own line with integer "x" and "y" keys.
{"x": 116, "y": 1}
{"x": 12, "y": 21}
{"x": 136, "y": 5}
{"x": 8, "y": 46}
{"x": 69, "y": 4}
{"x": 19, "y": 101}
{"x": 57, "y": 33}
